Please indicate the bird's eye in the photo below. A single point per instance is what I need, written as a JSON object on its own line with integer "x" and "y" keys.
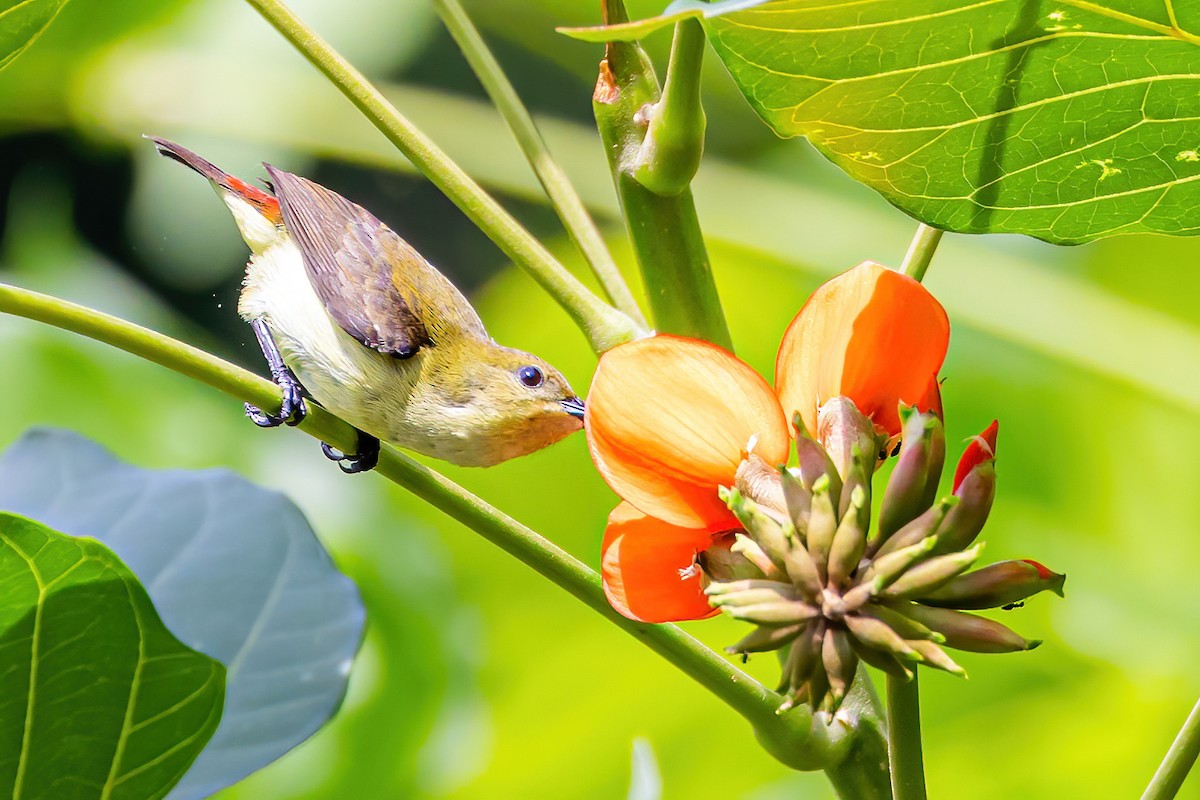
{"x": 531, "y": 377}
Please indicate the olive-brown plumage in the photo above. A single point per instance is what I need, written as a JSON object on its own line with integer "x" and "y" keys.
{"x": 376, "y": 334}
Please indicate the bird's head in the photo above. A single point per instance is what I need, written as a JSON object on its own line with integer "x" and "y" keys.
{"x": 506, "y": 403}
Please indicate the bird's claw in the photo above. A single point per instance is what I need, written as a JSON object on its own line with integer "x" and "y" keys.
{"x": 364, "y": 460}
{"x": 292, "y": 410}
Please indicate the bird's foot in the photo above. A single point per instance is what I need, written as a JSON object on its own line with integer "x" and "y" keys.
{"x": 364, "y": 460}
{"x": 292, "y": 410}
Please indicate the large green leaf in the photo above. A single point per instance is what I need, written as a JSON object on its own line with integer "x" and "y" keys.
{"x": 97, "y": 698}
{"x": 235, "y": 571}
{"x": 1066, "y": 120}
{"x": 23, "y": 21}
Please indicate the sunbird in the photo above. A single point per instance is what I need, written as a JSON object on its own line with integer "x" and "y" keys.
{"x": 347, "y": 313}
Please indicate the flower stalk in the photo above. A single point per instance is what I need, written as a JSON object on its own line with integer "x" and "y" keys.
{"x": 604, "y": 326}
{"x": 904, "y": 738}
{"x": 920, "y": 251}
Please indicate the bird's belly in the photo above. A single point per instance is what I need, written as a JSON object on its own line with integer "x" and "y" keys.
{"x": 367, "y": 389}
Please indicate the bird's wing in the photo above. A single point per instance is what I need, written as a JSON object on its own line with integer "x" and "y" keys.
{"x": 371, "y": 281}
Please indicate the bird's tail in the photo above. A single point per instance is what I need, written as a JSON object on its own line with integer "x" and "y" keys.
{"x": 262, "y": 202}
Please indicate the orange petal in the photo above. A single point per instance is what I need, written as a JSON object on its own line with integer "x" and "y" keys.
{"x": 870, "y": 334}
{"x": 669, "y": 420}
{"x": 649, "y": 568}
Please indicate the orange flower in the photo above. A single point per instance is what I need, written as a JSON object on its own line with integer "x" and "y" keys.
{"x": 870, "y": 334}
{"x": 669, "y": 420}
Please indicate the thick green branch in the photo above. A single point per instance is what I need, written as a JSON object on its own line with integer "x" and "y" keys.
{"x": 562, "y": 194}
{"x": 664, "y": 229}
{"x": 674, "y": 141}
{"x": 794, "y": 732}
{"x": 604, "y": 325}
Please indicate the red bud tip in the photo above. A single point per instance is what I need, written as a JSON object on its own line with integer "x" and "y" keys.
{"x": 1044, "y": 572}
{"x": 982, "y": 448}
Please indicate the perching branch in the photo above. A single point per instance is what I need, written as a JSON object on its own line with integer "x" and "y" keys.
{"x": 796, "y": 732}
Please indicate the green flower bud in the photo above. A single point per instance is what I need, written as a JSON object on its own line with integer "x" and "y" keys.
{"x": 975, "y": 486}
{"x": 822, "y": 525}
{"x": 748, "y": 549}
{"x": 798, "y": 498}
{"x": 840, "y": 663}
{"x": 924, "y": 526}
{"x": 967, "y": 631}
{"x": 887, "y": 568}
{"x": 965, "y": 520}
{"x": 761, "y": 526}
{"x": 880, "y": 660}
{"x": 876, "y": 634}
{"x": 763, "y": 639}
{"x": 813, "y": 459}
{"x": 749, "y": 592}
{"x": 722, "y": 564}
{"x": 842, "y": 429}
{"x": 906, "y": 627}
{"x": 996, "y": 585}
{"x": 936, "y": 657}
{"x": 915, "y": 476}
{"x": 928, "y": 575}
{"x": 802, "y": 570}
{"x": 849, "y": 541}
{"x": 773, "y": 614}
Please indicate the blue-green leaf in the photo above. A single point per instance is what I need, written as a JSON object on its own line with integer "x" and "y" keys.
{"x": 97, "y": 698}
{"x": 235, "y": 571}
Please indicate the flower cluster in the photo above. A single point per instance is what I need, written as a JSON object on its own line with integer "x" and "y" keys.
{"x": 696, "y": 444}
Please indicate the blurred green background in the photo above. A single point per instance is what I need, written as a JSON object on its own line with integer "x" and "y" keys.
{"x": 478, "y": 679}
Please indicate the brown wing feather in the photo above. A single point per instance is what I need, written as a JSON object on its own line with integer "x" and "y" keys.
{"x": 353, "y": 261}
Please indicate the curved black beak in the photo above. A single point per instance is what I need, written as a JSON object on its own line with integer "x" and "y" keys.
{"x": 573, "y": 406}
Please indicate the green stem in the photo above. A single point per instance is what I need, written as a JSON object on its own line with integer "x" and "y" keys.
{"x": 920, "y": 251}
{"x": 566, "y": 201}
{"x": 793, "y": 732}
{"x": 670, "y": 153}
{"x": 863, "y": 774}
{"x": 1178, "y": 760}
{"x": 603, "y": 325}
{"x": 904, "y": 738}
{"x": 663, "y": 227}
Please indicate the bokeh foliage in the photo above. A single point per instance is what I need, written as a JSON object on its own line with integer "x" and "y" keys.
{"x": 478, "y": 679}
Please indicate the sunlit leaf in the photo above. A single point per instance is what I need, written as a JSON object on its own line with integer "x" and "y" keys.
{"x": 1063, "y": 120}
{"x": 97, "y": 698}
{"x": 235, "y": 571}
{"x": 1067, "y": 120}
{"x": 23, "y": 21}
{"x": 678, "y": 10}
